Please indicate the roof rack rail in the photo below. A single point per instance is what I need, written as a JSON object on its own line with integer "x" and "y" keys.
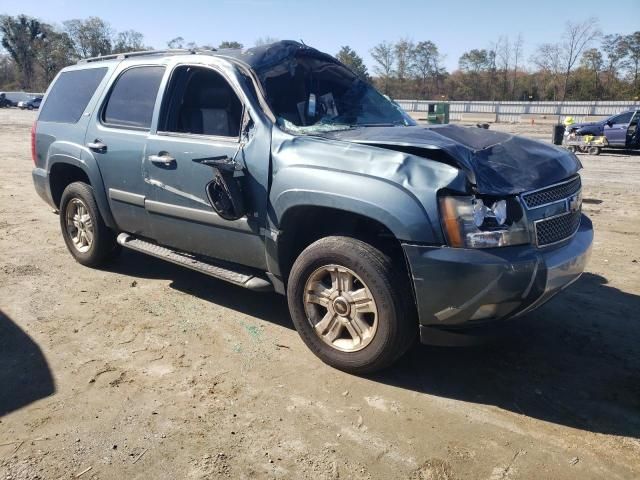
{"x": 170, "y": 51}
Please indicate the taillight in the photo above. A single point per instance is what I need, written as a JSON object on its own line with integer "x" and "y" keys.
{"x": 33, "y": 143}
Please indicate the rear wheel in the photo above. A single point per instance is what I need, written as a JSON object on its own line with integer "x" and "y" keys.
{"x": 351, "y": 305}
{"x": 594, "y": 150}
{"x": 87, "y": 237}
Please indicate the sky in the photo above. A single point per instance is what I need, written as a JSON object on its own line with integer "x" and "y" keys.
{"x": 455, "y": 26}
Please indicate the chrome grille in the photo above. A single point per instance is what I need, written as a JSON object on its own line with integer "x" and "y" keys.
{"x": 555, "y": 229}
{"x": 552, "y": 194}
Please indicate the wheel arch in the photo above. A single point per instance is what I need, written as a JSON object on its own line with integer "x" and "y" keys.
{"x": 66, "y": 169}
{"x": 302, "y": 224}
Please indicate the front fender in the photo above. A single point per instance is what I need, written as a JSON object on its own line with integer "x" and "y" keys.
{"x": 385, "y": 201}
{"x": 80, "y": 157}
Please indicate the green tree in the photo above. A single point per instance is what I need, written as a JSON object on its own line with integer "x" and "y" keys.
{"x": 20, "y": 36}
{"x": 129, "y": 41}
{"x": 54, "y": 51}
{"x": 477, "y": 64}
{"x": 632, "y": 43}
{"x": 615, "y": 48}
{"x": 354, "y": 61}
{"x": 592, "y": 61}
{"x": 177, "y": 42}
{"x": 230, "y": 44}
{"x": 91, "y": 37}
{"x": 425, "y": 66}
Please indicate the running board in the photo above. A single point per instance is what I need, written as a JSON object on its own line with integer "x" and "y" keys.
{"x": 243, "y": 278}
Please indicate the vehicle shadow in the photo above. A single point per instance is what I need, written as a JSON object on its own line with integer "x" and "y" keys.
{"x": 574, "y": 362}
{"x": 268, "y": 306}
{"x": 612, "y": 152}
{"x": 24, "y": 373}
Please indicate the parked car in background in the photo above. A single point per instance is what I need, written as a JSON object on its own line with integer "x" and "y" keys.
{"x": 4, "y": 101}
{"x": 618, "y": 129}
{"x": 278, "y": 168}
{"x": 31, "y": 104}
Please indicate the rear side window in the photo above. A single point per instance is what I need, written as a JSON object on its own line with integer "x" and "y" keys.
{"x": 133, "y": 97}
{"x": 70, "y": 95}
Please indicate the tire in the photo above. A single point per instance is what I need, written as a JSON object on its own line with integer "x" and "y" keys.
{"x": 594, "y": 150}
{"x": 387, "y": 327}
{"x": 571, "y": 148}
{"x": 91, "y": 250}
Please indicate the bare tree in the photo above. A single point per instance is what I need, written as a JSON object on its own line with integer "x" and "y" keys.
{"x": 577, "y": 37}
{"x": 403, "y": 51}
{"x": 503, "y": 56}
{"x": 548, "y": 59}
{"x": 265, "y": 40}
{"x": 518, "y": 49}
{"x": 384, "y": 56}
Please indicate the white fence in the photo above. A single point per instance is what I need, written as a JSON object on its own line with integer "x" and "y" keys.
{"x": 523, "y": 111}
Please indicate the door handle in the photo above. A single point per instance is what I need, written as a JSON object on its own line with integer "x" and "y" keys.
{"x": 163, "y": 158}
{"x": 97, "y": 146}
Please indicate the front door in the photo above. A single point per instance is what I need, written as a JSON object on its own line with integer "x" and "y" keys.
{"x": 117, "y": 136}
{"x": 200, "y": 123}
{"x": 616, "y": 129}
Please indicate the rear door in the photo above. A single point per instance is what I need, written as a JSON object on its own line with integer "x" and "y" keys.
{"x": 117, "y": 136}
{"x": 616, "y": 129}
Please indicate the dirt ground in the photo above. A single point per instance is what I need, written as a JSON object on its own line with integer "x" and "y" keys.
{"x": 147, "y": 370}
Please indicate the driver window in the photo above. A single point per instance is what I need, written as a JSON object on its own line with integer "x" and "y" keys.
{"x": 200, "y": 101}
{"x": 624, "y": 118}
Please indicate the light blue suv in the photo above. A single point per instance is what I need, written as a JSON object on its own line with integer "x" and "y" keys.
{"x": 277, "y": 168}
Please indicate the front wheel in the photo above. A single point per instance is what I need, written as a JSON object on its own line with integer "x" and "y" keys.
{"x": 351, "y": 304}
{"x": 87, "y": 237}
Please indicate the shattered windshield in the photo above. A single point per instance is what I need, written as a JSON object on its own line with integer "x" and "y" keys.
{"x": 313, "y": 95}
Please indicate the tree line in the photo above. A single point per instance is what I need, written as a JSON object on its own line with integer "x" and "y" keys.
{"x": 583, "y": 64}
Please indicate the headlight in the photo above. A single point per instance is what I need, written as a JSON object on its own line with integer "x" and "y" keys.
{"x": 472, "y": 222}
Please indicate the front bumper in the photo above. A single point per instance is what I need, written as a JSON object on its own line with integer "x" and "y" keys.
{"x": 458, "y": 287}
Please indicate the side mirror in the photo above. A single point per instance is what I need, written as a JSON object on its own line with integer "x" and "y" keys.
{"x": 609, "y": 123}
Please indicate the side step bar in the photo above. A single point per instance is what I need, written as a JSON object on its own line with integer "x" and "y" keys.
{"x": 241, "y": 277}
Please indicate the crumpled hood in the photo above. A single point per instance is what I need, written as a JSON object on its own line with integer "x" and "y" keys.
{"x": 497, "y": 163}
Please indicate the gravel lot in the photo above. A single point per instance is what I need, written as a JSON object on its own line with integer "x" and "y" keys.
{"x": 147, "y": 370}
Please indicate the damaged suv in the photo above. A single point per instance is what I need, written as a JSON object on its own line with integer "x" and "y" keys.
{"x": 277, "y": 168}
